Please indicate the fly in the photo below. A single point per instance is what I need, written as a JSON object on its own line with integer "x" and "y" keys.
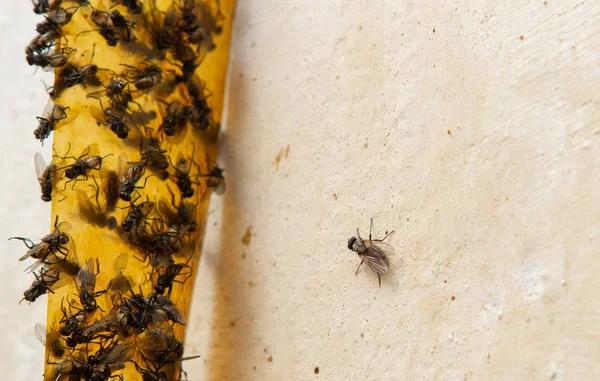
{"x": 45, "y": 176}
{"x": 215, "y": 178}
{"x": 374, "y": 251}
{"x": 129, "y": 177}
{"x": 52, "y": 115}
{"x": 51, "y": 250}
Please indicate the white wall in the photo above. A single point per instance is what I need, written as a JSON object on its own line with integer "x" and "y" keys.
{"x": 502, "y": 213}
{"x": 22, "y": 98}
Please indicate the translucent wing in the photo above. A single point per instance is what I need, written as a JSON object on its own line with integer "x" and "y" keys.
{"x": 63, "y": 280}
{"x": 35, "y": 250}
{"x": 102, "y": 324}
{"x": 375, "y": 260}
{"x": 383, "y": 247}
{"x": 34, "y": 266}
{"x": 67, "y": 116}
{"x": 63, "y": 227}
{"x": 40, "y": 333}
{"x": 47, "y": 113}
{"x": 87, "y": 277}
{"x": 40, "y": 165}
{"x": 117, "y": 355}
{"x": 98, "y": 114}
{"x": 122, "y": 165}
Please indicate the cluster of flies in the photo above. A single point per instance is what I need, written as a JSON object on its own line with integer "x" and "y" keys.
{"x": 92, "y": 343}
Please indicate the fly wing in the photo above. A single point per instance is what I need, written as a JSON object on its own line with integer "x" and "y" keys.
{"x": 40, "y": 333}
{"x": 117, "y": 355}
{"x": 40, "y": 165}
{"x": 103, "y": 324}
{"x": 63, "y": 279}
{"x": 122, "y": 165}
{"x": 63, "y": 227}
{"x": 87, "y": 277}
{"x": 47, "y": 113}
{"x": 98, "y": 114}
{"x": 37, "y": 248}
{"x": 375, "y": 260}
{"x": 383, "y": 247}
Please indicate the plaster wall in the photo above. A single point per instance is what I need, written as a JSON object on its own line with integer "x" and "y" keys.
{"x": 470, "y": 127}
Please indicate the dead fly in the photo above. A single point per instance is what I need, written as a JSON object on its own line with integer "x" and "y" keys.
{"x": 75, "y": 369}
{"x": 200, "y": 23}
{"x": 151, "y": 372}
{"x": 215, "y": 178}
{"x": 48, "y": 122}
{"x": 374, "y": 251}
{"x": 113, "y": 119}
{"x": 137, "y": 215}
{"x": 163, "y": 26}
{"x": 80, "y": 73}
{"x": 114, "y": 361}
{"x": 175, "y": 117}
{"x": 115, "y": 87}
{"x": 200, "y": 114}
{"x": 161, "y": 346}
{"x": 145, "y": 78}
{"x": 41, "y": 44}
{"x": 70, "y": 323}
{"x": 129, "y": 177}
{"x": 51, "y": 250}
{"x": 153, "y": 155}
{"x": 87, "y": 285}
{"x": 166, "y": 279}
{"x": 133, "y": 6}
{"x": 116, "y": 91}
{"x": 82, "y": 166}
{"x": 183, "y": 168}
{"x": 55, "y": 19}
{"x": 45, "y": 6}
{"x": 166, "y": 309}
{"x": 43, "y": 283}
{"x": 114, "y": 27}
{"x": 45, "y": 175}
{"x": 159, "y": 246}
{"x": 45, "y": 58}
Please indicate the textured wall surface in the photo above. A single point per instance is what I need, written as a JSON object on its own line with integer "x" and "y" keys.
{"x": 470, "y": 127}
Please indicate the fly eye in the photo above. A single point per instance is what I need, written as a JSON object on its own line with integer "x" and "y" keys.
{"x": 64, "y": 239}
{"x": 351, "y": 242}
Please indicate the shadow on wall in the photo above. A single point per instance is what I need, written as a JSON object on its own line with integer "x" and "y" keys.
{"x": 232, "y": 325}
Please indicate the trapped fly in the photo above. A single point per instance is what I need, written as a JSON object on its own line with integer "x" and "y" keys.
{"x": 373, "y": 251}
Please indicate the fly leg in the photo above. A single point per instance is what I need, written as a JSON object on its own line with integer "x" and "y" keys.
{"x": 29, "y": 243}
{"x": 361, "y": 262}
{"x": 379, "y": 277}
